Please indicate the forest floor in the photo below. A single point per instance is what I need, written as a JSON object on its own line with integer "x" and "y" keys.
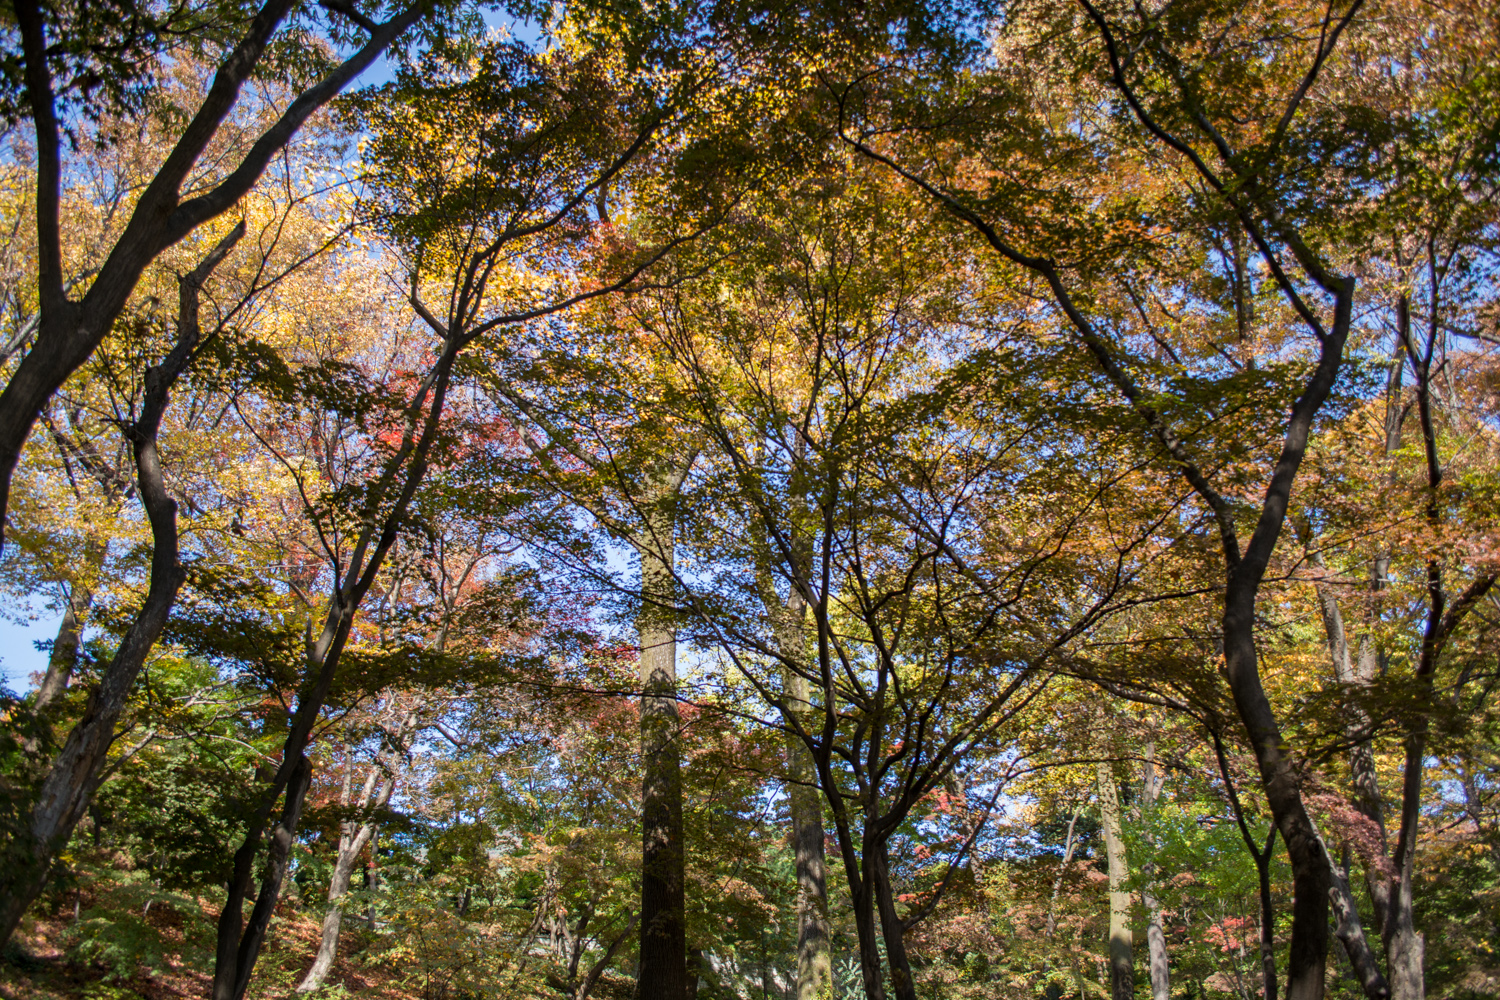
{"x": 42, "y": 962}
{"x": 37, "y": 966}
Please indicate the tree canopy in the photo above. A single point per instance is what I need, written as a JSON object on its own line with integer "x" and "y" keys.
{"x": 683, "y": 500}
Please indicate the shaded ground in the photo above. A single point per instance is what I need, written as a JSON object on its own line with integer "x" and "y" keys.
{"x": 36, "y": 966}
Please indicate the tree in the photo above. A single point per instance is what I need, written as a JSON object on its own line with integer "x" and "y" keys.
{"x": 1253, "y": 179}
{"x": 68, "y": 330}
{"x": 73, "y": 776}
{"x": 840, "y": 439}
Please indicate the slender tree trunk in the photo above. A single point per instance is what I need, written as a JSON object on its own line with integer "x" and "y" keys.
{"x": 239, "y": 942}
{"x": 1267, "y": 919}
{"x": 1070, "y": 843}
{"x": 1351, "y": 933}
{"x": 1358, "y": 672}
{"x": 814, "y": 962}
{"x": 353, "y": 839}
{"x": 1311, "y": 879}
{"x": 663, "y": 949}
{"x": 64, "y": 657}
{"x": 597, "y": 970}
{"x": 74, "y": 776}
{"x": 1349, "y": 671}
{"x": 857, "y": 867}
{"x": 579, "y": 939}
{"x": 1121, "y": 944}
{"x": 1156, "y": 939}
{"x": 1405, "y": 948}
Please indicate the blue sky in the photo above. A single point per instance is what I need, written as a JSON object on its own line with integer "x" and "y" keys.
{"x": 18, "y": 657}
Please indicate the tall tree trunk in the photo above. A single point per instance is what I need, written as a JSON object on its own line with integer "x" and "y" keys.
{"x": 239, "y": 944}
{"x": 814, "y": 961}
{"x": 1267, "y": 919}
{"x": 1359, "y": 673}
{"x": 74, "y": 776}
{"x": 663, "y": 949}
{"x": 353, "y": 839}
{"x": 1311, "y": 881}
{"x": 1405, "y": 948}
{"x": 861, "y": 896}
{"x": 1156, "y": 939}
{"x": 892, "y": 929}
{"x": 857, "y": 870}
{"x": 597, "y": 969}
{"x": 1121, "y": 944}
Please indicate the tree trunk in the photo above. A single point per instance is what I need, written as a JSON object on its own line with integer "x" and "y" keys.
{"x": 663, "y": 950}
{"x": 694, "y": 973}
{"x": 1267, "y": 919}
{"x": 814, "y": 962}
{"x": 597, "y": 970}
{"x": 64, "y": 657}
{"x": 1405, "y": 948}
{"x": 861, "y": 896}
{"x": 1070, "y": 843}
{"x": 1156, "y": 939}
{"x": 1311, "y": 879}
{"x": 892, "y": 930}
{"x": 75, "y": 774}
{"x": 239, "y": 943}
{"x": 1121, "y": 944}
{"x": 1358, "y": 672}
{"x": 352, "y": 843}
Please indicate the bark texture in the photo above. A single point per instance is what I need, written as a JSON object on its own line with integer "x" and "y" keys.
{"x": 1156, "y": 939}
{"x": 788, "y": 617}
{"x": 893, "y": 931}
{"x": 663, "y": 947}
{"x": 1121, "y": 941}
{"x": 814, "y": 962}
{"x": 1070, "y": 844}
